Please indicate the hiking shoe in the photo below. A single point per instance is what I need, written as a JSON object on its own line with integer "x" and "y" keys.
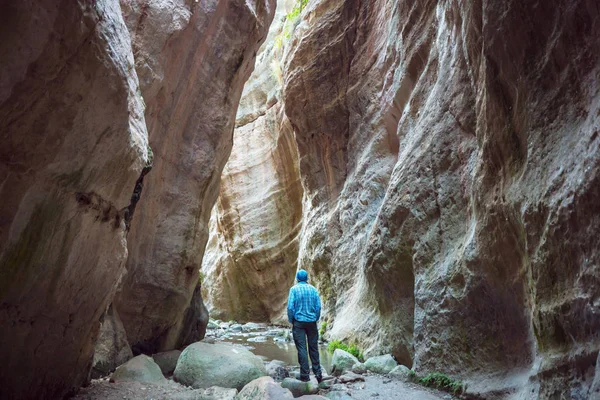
{"x": 305, "y": 379}
{"x": 319, "y": 378}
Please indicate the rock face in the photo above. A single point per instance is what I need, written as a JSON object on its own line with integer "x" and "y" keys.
{"x": 74, "y": 144}
{"x": 193, "y": 59}
{"x": 449, "y": 154}
{"x": 252, "y": 255}
{"x": 112, "y": 348}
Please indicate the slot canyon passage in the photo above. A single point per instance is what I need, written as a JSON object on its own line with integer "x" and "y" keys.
{"x": 433, "y": 164}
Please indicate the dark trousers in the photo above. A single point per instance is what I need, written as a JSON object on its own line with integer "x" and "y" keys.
{"x": 303, "y": 331}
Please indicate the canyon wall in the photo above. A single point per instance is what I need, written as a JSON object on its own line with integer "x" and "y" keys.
{"x": 193, "y": 59}
{"x": 449, "y": 159}
{"x": 251, "y": 258}
{"x": 74, "y": 144}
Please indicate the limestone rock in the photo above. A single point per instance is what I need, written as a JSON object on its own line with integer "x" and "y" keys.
{"x": 359, "y": 368}
{"x": 255, "y": 223}
{"x": 299, "y": 388}
{"x": 193, "y": 59}
{"x": 349, "y": 377}
{"x": 383, "y": 364}
{"x": 264, "y": 388}
{"x": 339, "y": 396}
{"x": 139, "y": 369}
{"x": 112, "y": 348}
{"x": 202, "y": 365}
{"x": 73, "y": 145}
{"x": 277, "y": 370}
{"x": 342, "y": 361}
{"x": 449, "y": 155}
{"x": 167, "y": 361}
{"x": 400, "y": 372}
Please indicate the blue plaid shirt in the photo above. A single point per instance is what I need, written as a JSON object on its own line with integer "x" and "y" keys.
{"x": 304, "y": 303}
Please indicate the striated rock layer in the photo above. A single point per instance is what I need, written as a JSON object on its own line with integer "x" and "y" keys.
{"x": 450, "y": 157}
{"x": 252, "y": 255}
{"x": 74, "y": 144}
{"x": 193, "y": 59}
{"x": 450, "y": 162}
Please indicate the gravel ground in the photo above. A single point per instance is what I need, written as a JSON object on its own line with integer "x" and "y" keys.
{"x": 379, "y": 387}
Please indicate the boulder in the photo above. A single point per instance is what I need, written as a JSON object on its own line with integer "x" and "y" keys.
{"x": 212, "y": 393}
{"x": 139, "y": 369}
{"x": 112, "y": 348}
{"x": 299, "y": 388}
{"x": 359, "y": 368}
{"x": 401, "y": 372}
{"x": 342, "y": 361}
{"x": 381, "y": 364}
{"x": 351, "y": 377}
{"x": 167, "y": 361}
{"x": 264, "y": 388}
{"x": 276, "y": 369}
{"x": 202, "y": 365}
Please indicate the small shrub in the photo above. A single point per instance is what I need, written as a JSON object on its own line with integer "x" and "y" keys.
{"x": 441, "y": 381}
{"x": 323, "y": 328}
{"x": 200, "y": 278}
{"x": 352, "y": 349}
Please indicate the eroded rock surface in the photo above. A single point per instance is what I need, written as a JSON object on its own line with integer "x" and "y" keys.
{"x": 193, "y": 59}
{"x": 252, "y": 255}
{"x": 74, "y": 143}
{"x": 449, "y": 157}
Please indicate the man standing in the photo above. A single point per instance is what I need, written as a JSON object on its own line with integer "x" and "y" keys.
{"x": 304, "y": 310}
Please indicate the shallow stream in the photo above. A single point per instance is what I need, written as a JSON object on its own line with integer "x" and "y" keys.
{"x": 267, "y": 342}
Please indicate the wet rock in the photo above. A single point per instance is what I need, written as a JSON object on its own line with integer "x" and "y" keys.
{"x": 299, "y": 388}
{"x": 277, "y": 370}
{"x": 261, "y": 339}
{"x": 252, "y": 327}
{"x": 236, "y": 328}
{"x": 264, "y": 388}
{"x": 167, "y": 361}
{"x": 112, "y": 348}
{"x": 349, "y": 377}
{"x": 381, "y": 364}
{"x": 212, "y": 325}
{"x": 400, "y": 372}
{"x": 342, "y": 361}
{"x": 139, "y": 369}
{"x": 202, "y": 365}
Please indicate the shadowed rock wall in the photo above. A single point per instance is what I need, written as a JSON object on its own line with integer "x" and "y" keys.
{"x": 74, "y": 144}
{"x": 193, "y": 59}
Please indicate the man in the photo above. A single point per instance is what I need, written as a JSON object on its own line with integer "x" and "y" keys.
{"x": 304, "y": 310}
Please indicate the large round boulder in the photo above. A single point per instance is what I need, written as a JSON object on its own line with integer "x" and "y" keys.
{"x": 342, "y": 361}
{"x": 381, "y": 364}
{"x": 139, "y": 369}
{"x": 202, "y": 365}
{"x": 264, "y": 388}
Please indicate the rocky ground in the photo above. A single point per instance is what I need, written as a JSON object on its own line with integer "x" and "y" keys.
{"x": 142, "y": 377}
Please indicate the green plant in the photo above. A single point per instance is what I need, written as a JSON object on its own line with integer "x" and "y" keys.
{"x": 352, "y": 349}
{"x": 441, "y": 381}
{"x": 201, "y": 278}
{"x": 323, "y": 328}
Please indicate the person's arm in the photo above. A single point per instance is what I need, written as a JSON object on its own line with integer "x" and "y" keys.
{"x": 290, "y": 307}
{"x": 318, "y": 307}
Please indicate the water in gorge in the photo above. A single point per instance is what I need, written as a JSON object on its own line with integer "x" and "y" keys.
{"x": 268, "y": 342}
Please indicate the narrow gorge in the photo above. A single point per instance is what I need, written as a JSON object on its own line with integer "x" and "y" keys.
{"x": 433, "y": 164}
